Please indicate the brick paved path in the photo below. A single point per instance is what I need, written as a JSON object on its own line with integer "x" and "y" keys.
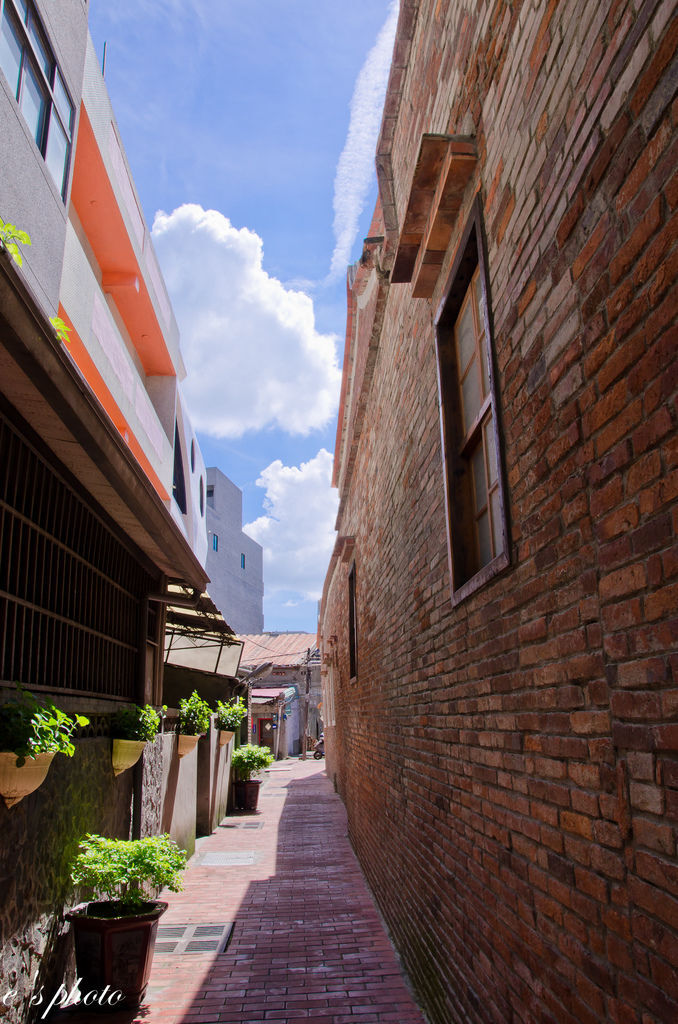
{"x": 307, "y": 943}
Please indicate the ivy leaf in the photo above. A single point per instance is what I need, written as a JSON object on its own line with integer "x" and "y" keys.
{"x": 62, "y": 329}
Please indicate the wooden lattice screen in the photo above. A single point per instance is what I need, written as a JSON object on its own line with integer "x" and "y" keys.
{"x": 71, "y": 595}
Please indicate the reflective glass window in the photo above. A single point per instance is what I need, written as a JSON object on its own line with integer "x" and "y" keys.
{"x": 10, "y": 52}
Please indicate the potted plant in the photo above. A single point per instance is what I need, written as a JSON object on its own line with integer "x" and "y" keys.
{"x": 115, "y": 935}
{"x": 194, "y": 721}
{"x": 228, "y": 718}
{"x": 247, "y": 761}
{"x": 32, "y": 731}
{"x": 132, "y": 728}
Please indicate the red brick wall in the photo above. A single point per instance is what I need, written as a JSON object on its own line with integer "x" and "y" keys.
{"x": 510, "y": 765}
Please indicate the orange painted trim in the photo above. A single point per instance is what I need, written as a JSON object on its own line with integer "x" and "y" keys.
{"x": 89, "y": 371}
{"x": 94, "y": 200}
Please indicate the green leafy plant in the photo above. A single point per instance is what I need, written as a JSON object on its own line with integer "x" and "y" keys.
{"x": 29, "y": 727}
{"x": 136, "y": 723}
{"x": 10, "y": 235}
{"x": 128, "y": 872}
{"x": 194, "y": 715}
{"x": 249, "y": 759}
{"x": 61, "y": 328}
{"x": 230, "y": 715}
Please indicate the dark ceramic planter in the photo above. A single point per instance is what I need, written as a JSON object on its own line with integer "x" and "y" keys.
{"x": 115, "y": 951}
{"x": 246, "y": 795}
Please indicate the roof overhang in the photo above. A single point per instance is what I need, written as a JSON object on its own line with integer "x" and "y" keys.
{"x": 198, "y": 637}
{"x": 41, "y": 381}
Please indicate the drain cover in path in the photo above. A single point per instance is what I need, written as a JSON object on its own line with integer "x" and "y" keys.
{"x": 229, "y": 859}
{"x": 241, "y": 824}
{"x": 193, "y": 938}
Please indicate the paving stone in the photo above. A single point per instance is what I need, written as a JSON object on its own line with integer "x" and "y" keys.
{"x": 307, "y": 941}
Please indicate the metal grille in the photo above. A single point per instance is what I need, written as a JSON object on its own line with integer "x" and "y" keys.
{"x": 70, "y": 592}
{"x": 222, "y": 859}
{"x": 189, "y": 938}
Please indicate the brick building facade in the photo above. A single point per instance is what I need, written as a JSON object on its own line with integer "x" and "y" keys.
{"x": 499, "y": 616}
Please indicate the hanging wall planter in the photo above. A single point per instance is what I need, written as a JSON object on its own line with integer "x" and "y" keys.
{"x": 32, "y": 731}
{"x": 16, "y": 783}
{"x": 185, "y": 744}
{"x": 229, "y": 717}
{"x": 194, "y": 721}
{"x": 126, "y": 753}
{"x": 132, "y": 727}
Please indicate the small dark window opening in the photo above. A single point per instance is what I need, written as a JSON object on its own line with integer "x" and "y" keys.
{"x": 242, "y": 561}
{"x": 471, "y": 439}
{"x": 352, "y": 625}
{"x": 179, "y": 483}
{"x": 192, "y": 456}
{"x": 215, "y": 542}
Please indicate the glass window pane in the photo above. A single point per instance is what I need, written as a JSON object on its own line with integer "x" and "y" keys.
{"x": 479, "y": 483}
{"x": 63, "y": 103}
{"x": 478, "y": 298}
{"x": 465, "y": 337}
{"x": 57, "y": 152}
{"x": 41, "y": 49}
{"x": 484, "y": 546}
{"x": 10, "y": 53}
{"x": 484, "y": 364}
{"x": 33, "y": 102}
{"x": 470, "y": 388}
{"x": 496, "y": 522}
{"x": 490, "y": 450}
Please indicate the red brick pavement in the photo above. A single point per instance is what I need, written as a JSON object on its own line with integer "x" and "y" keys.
{"x": 307, "y": 944}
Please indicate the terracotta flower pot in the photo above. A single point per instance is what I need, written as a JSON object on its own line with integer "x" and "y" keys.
{"x": 126, "y": 753}
{"x": 186, "y": 743}
{"x": 115, "y": 951}
{"x": 16, "y": 783}
{"x": 225, "y": 736}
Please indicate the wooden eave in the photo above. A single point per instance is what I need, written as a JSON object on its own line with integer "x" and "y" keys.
{"x": 444, "y": 167}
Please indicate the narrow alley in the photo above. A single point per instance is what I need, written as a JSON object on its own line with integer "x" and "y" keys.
{"x": 307, "y": 942}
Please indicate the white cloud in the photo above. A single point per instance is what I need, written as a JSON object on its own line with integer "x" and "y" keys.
{"x": 253, "y": 355}
{"x": 297, "y": 531}
{"x": 355, "y": 169}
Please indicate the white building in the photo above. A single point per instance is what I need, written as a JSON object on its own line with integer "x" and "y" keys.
{"x": 235, "y": 562}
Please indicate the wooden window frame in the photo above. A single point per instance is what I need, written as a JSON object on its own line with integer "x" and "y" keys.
{"x": 352, "y": 625}
{"x": 465, "y": 577}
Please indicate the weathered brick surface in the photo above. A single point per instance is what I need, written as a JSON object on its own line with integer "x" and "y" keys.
{"x": 510, "y": 764}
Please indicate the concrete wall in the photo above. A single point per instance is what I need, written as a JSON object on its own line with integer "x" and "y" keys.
{"x": 185, "y": 796}
{"x": 214, "y": 774}
{"x": 238, "y": 593}
{"x": 516, "y": 752}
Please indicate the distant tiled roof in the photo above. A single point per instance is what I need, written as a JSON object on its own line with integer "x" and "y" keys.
{"x": 281, "y": 649}
{"x": 262, "y": 695}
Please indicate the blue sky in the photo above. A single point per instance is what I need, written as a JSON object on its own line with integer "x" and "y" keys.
{"x": 250, "y": 128}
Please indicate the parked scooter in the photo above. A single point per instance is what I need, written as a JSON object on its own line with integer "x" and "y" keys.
{"x": 319, "y": 748}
